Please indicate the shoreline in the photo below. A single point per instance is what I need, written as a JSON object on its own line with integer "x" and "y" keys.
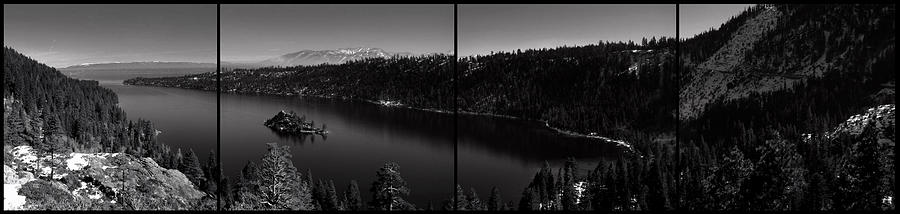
{"x": 620, "y": 143}
{"x": 391, "y": 104}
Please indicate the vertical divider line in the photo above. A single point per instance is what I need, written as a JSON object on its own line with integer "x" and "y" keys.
{"x": 455, "y": 107}
{"x": 678, "y": 184}
{"x": 219, "y": 105}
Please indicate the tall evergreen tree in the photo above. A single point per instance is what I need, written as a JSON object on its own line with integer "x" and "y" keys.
{"x": 530, "y": 200}
{"x": 211, "y": 171}
{"x": 475, "y": 203}
{"x": 330, "y": 199}
{"x": 569, "y": 199}
{"x": 278, "y": 179}
{"x": 495, "y": 202}
{"x": 389, "y": 188}
{"x": 354, "y": 200}
{"x": 190, "y": 166}
{"x": 459, "y": 199}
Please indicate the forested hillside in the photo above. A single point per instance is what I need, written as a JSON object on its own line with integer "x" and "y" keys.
{"x": 609, "y": 89}
{"x": 56, "y": 115}
{"x": 421, "y": 81}
{"x": 763, "y": 97}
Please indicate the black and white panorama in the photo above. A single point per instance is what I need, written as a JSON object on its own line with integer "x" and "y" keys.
{"x": 449, "y": 107}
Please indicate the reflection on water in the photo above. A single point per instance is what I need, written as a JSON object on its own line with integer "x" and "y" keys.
{"x": 300, "y": 139}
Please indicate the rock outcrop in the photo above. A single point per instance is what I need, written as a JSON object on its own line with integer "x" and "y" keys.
{"x": 881, "y": 118}
{"x": 93, "y": 181}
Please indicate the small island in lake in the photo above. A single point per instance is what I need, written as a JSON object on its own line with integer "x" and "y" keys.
{"x": 290, "y": 123}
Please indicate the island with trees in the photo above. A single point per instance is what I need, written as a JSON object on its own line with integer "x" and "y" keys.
{"x": 291, "y": 124}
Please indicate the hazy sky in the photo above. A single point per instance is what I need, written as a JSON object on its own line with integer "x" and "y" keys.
{"x": 256, "y": 32}
{"x": 63, "y": 35}
{"x": 696, "y": 18}
{"x": 486, "y": 28}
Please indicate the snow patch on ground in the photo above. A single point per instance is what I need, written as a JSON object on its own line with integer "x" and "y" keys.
{"x": 24, "y": 154}
{"x": 12, "y": 182}
{"x": 88, "y": 190}
{"x": 11, "y": 198}
{"x": 389, "y": 103}
{"x": 592, "y": 135}
{"x": 633, "y": 69}
{"x": 77, "y": 162}
{"x": 882, "y": 116}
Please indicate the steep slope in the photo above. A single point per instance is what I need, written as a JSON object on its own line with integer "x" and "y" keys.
{"x": 765, "y": 102}
{"x": 64, "y": 131}
{"x": 714, "y": 78}
{"x": 778, "y": 46}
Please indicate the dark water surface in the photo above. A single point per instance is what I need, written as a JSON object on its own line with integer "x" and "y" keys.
{"x": 363, "y": 136}
{"x": 492, "y": 151}
{"x": 187, "y": 118}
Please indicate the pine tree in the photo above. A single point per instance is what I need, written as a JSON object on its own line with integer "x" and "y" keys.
{"x": 388, "y": 189}
{"x": 530, "y": 200}
{"x": 248, "y": 181}
{"x": 318, "y": 194}
{"x": 278, "y": 178}
{"x": 176, "y": 158}
{"x": 859, "y": 176}
{"x": 657, "y": 198}
{"x": 302, "y": 194}
{"x": 495, "y": 203}
{"x": 309, "y": 178}
{"x": 226, "y": 193}
{"x": 14, "y": 126}
{"x": 544, "y": 185}
{"x": 778, "y": 179}
{"x": 354, "y": 201}
{"x": 331, "y": 197}
{"x": 190, "y": 167}
{"x": 508, "y": 206}
{"x": 211, "y": 172}
{"x": 569, "y": 199}
{"x": 458, "y": 199}
{"x": 475, "y": 203}
{"x": 727, "y": 180}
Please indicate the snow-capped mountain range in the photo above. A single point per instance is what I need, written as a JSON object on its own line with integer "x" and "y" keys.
{"x": 342, "y": 55}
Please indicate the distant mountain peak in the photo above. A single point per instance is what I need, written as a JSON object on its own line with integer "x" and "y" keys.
{"x": 335, "y": 56}
{"x": 140, "y": 64}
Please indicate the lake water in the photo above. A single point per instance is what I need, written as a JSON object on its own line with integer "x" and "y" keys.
{"x": 187, "y": 118}
{"x": 363, "y": 136}
{"x": 492, "y": 151}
